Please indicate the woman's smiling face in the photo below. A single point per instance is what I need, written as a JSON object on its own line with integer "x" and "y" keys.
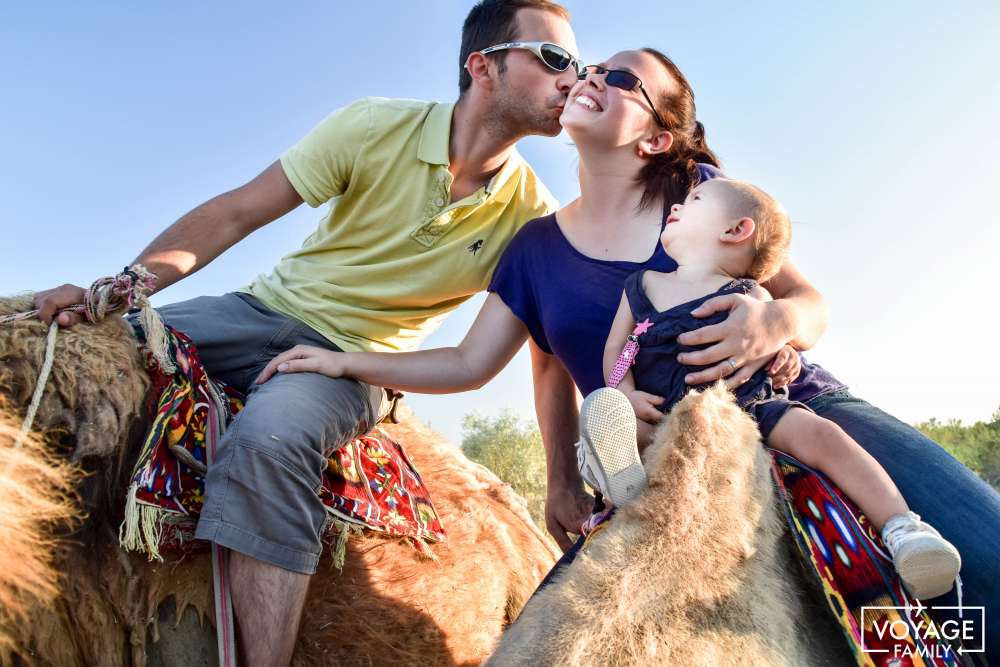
{"x": 610, "y": 116}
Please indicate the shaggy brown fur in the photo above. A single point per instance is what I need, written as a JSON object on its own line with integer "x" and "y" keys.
{"x": 697, "y": 571}
{"x": 389, "y": 605}
{"x": 93, "y": 401}
{"x": 34, "y": 500}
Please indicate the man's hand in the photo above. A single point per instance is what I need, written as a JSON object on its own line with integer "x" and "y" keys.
{"x": 566, "y": 508}
{"x": 646, "y": 406}
{"x": 51, "y": 301}
{"x": 305, "y": 359}
{"x": 749, "y": 338}
{"x": 785, "y": 368}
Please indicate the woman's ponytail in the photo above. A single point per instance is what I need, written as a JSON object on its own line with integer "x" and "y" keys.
{"x": 667, "y": 178}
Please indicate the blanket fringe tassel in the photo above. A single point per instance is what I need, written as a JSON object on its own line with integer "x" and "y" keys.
{"x": 346, "y": 529}
{"x": 142, "y": 528}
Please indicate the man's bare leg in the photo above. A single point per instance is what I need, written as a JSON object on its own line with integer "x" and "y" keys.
{"x": 268, "y": 603}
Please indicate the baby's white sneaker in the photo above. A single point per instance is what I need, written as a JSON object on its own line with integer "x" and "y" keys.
{"x": 926, "y": 562}
{"x": 606, "y": 453}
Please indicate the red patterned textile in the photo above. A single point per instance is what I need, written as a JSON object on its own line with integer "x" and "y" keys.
{"x": 370, "y": 483}
{"x": 844, "y": 553}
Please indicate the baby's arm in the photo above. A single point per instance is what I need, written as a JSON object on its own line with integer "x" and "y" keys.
{"x": 492, "y": 341}
{"x": 645, "y": 405}
{"x": 622, "y": 326}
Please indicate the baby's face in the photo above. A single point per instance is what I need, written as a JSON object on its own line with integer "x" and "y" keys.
{"x": 702, "y": 218}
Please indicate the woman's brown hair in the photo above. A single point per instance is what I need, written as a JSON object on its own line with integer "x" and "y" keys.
{"x": 667, "y": 177}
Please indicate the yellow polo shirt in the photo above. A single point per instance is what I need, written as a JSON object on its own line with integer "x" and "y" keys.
{"x": 392, "y": 257}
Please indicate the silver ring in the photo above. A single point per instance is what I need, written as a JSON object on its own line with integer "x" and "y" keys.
{"x": 732, "y": 364}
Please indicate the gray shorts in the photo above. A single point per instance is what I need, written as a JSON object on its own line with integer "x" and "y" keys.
{"x": 260, "y": 492}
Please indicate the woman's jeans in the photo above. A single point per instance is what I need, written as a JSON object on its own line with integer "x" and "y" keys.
{"x": 946, "y": 494}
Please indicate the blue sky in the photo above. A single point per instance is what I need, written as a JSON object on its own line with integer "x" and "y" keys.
{"x": 875, "y": 124}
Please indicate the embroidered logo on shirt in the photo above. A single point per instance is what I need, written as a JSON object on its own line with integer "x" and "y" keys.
{"x": 475, "y": 247}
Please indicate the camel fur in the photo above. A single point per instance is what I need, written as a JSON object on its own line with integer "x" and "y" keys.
{"x": 698, "y": 570}
{"x": 389, "y": 605}
{"x": 36, "y": 502}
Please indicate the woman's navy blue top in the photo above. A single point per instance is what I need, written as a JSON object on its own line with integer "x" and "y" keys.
{"x": 566, "y": 299}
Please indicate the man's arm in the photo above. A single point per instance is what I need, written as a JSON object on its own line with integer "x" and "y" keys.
{"x": 755, "y": 331}
{"x": 566, "y": 503}
{"x": 196, "y": 238}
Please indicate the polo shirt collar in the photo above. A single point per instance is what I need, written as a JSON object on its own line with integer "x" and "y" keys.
{"x": 435, "y": 135}
{"x": 433, "y": 148}
{"x": 496, "y": 185}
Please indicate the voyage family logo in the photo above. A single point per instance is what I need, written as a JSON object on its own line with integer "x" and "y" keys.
{"x": 900, "y": 635}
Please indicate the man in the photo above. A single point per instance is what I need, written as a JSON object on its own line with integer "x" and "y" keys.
{"x": 427, "y": 197}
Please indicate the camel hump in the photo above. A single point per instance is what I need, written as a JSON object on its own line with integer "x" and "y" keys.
{"x": 390, "y": 605}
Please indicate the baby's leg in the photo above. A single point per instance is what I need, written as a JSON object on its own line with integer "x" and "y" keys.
{"x": 821, "y": 444}
{"x": 925, "y": 561}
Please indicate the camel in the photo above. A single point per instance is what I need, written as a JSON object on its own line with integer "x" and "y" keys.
{"x": 698, "y": 570}
{"x": 389, "y": 605}
{"x": 35, "y": 497}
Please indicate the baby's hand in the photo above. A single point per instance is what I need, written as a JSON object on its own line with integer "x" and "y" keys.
{"x": 645, "y": 406}
{"x": 785, "y": 367}
{"x": 305, "y": 359}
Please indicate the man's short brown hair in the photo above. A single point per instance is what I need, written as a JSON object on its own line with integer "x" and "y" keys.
{"x": 494, "y": 22}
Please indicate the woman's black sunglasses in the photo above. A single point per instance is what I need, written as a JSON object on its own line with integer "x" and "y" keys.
{"x": 619, "y": 78}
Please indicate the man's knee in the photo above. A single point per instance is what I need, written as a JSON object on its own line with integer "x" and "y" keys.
{"x": 306, "y": 410}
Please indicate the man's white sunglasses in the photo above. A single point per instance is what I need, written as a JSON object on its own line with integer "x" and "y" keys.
{"x": 554, "y": 56}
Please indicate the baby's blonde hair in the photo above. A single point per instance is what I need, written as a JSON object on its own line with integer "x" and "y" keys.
{"x": 773, "y": 229}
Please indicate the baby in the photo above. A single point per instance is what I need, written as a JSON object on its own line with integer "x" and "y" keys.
{"x": 726, "y": 238}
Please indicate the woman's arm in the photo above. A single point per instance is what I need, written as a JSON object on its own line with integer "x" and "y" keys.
{"x": 755, "y": 331}
{"x": 806, "y": 313}
{"x": 494, "y": 338}
{"x": 566, "y": 502}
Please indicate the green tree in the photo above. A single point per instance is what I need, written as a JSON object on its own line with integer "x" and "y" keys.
{"x": 513, "y": 450}
{"x": 977, "y": 445}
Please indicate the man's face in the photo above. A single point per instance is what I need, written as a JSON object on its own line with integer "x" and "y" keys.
{"x": 530, "y": 96}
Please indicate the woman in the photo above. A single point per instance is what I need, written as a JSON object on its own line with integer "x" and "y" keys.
{"x": 560, "y": 281}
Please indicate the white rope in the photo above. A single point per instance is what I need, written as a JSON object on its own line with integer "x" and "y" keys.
{"x": 43, "y": 378}
{"x": 130, "y": 288}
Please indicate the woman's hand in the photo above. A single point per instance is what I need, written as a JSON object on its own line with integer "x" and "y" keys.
{"x": 566, "y": 508}
{"x": 305, "y": 359}
{"x": 741, "y": 345}
{"x": 785, "y": 367}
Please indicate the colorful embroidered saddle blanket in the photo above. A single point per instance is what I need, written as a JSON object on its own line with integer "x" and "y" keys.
{"x": 844, "y": 553}
{"x": 370, "y": 484}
